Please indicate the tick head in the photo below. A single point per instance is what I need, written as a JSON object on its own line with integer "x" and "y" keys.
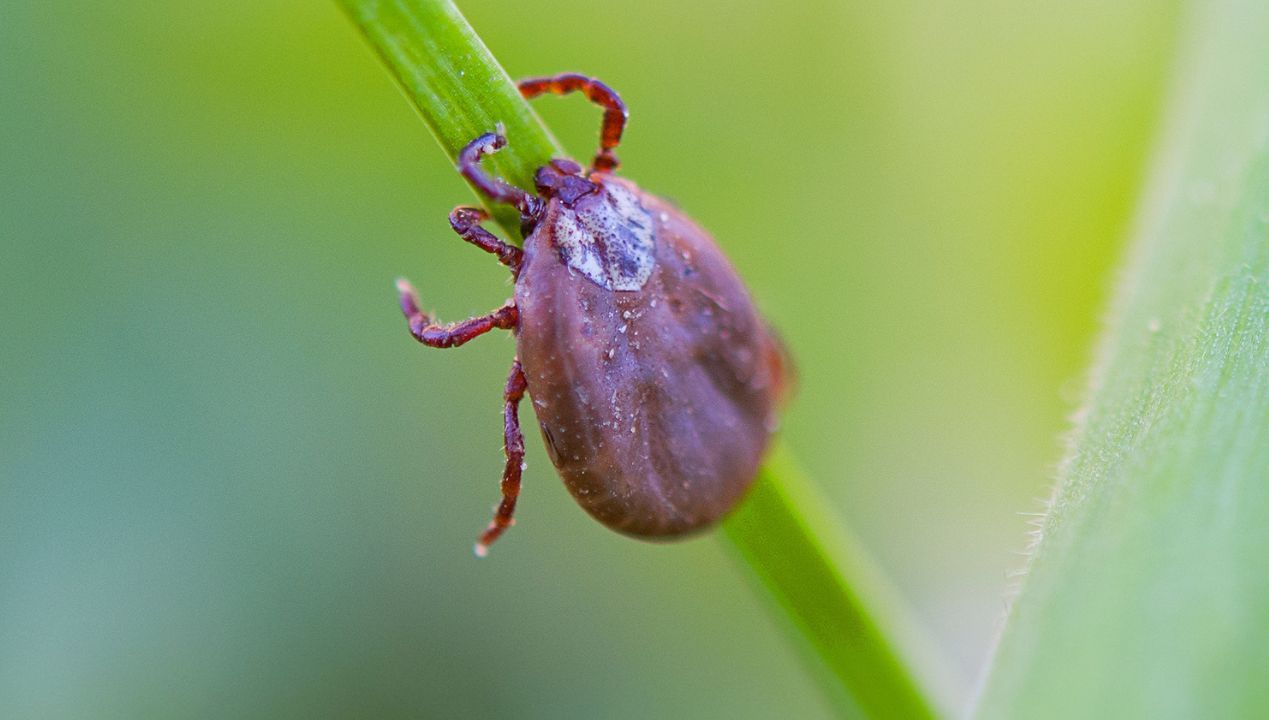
{"x": 562, "y": 179}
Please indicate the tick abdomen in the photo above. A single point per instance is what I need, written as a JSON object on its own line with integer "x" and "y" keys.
{"x": 656, "y": 403}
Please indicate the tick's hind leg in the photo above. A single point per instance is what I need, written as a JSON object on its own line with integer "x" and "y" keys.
{"x": 513, "y": 446}
{"x": 615, "y": 113}
{"x": 430, "y": 333}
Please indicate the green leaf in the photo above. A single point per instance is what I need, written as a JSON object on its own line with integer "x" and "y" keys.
{"x": 814, "y": 570}
{"x": 1148, "y": 591}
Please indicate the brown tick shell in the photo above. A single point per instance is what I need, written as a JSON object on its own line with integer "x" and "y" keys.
{"x": 656, "y": 404}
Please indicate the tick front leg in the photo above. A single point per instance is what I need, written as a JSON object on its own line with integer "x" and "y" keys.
{"x": 430, "y": 333}
{"x": 495, "y": 188}
{"x": 466, "y": 222}
{"x": 513, "y": 445}
{"x": 615, "y": 114}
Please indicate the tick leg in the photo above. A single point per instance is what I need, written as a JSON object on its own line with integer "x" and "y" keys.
{"x": 497, "y": 189}
{"x": 430, "y": 333}
{"x": 513, "y": 445}
{"x": 466, "y": 222}
{"x": 615, "y": 114}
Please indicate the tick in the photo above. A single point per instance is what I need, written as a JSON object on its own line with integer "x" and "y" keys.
{"x": 655, "y": 382}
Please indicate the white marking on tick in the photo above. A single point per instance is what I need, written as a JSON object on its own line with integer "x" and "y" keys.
{"x": 608, "y": 238}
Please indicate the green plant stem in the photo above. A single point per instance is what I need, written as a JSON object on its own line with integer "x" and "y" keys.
{"x": 458, "y": 88}
{"x": 813, "y": 569}
{"x": 849, "y": 618}
{"x": 1148, "y": 591}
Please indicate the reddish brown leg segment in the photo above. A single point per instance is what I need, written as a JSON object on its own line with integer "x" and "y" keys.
{"x": 466, "y": 222}
{"x": 427, "y": 331}
{"x": 513, "y": 445}
{"x": 615, "y": 114}
{"x": 497, "y": 189}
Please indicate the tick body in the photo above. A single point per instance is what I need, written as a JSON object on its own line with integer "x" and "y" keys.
{"x": 654, "y": 380}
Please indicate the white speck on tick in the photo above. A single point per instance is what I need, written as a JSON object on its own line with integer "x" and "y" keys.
{"x": 622, "y": 329}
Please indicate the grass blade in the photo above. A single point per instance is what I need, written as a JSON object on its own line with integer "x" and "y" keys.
{"x": 847, "y": 616}
{"x": 450, "y": 77}
{"x": 1148, "y": 592}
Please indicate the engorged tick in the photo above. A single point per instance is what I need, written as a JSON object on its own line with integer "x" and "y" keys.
{"x": 655, "y": 382}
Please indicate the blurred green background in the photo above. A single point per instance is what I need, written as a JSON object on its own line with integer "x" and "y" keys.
{"x": 232, "y": 486}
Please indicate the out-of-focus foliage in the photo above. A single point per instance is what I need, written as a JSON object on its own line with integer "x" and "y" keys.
{"x": 1148, "y": 594}
{"x": 231, "y": 485}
